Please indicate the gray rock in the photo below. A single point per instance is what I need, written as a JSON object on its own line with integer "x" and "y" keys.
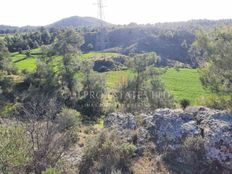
{"x": 168, "y": 128}
{"x": 218, "y": 136}
{"x": 124, "y": 121}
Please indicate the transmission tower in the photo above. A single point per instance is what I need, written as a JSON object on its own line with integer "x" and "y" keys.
{"x": 100, "y": 40}
{"x": 100, "y": 9}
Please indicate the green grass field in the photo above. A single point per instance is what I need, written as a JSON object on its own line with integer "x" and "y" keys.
{"x": 29, "y": 63}
{"x": 98, "y": 55}
{"x": 115, "y": 78}
{"x": 22, "y": 62}
{"x": 183, "y": 84}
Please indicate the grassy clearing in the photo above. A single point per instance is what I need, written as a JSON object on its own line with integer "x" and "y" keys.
{"x": 115, "y": 78}
{"x": 184, "y": 84}
{"x": 23, "y": 62}
{"x": 28, "y": 64}
{"x": 17, "y": 57}
{"x": 98, "y": 55}
{"x": 36, "y": 51}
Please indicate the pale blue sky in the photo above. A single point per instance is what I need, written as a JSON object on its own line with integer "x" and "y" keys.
{"x": 43, "y": 12}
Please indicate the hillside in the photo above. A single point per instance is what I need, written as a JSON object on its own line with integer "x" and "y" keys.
{"x": 172, "y": 41}
{"x": 76, "y": 21}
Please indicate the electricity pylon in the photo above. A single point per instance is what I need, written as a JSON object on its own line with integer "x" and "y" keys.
{"x": 100, "y": 9}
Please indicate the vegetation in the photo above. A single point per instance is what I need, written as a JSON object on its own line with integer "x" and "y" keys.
{"x": 184, "y": 103}
{"x": 27, "y": 41}
{"x": 144, "y": 90}
{"x": 99, "y": 55}
{"x": 216, "y": 70}
{"x": 55, "y": 100}
{"x": 192, "y": 152}
{"x": 107, "y": 154}
{"x": 14, "y": 147}
{"x": 184, "y": 84}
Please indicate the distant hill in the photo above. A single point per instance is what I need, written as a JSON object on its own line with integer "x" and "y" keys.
{"x": 7, "y": 28}
{"x": 76, "y": 21}
{"x": 4, "y": 29}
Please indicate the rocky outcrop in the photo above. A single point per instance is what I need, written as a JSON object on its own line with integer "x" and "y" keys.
{"x": 119, "y": 120}
{"x": 168, "y": 129}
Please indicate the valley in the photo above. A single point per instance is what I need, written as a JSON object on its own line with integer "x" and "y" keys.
{"x": 83, "y": 96}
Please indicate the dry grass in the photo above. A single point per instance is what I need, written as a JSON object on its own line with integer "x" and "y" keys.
{"x": 149, "y": 165}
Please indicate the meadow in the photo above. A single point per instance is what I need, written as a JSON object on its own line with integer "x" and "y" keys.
{"x": 98, "y": 55}
{"x": 2, "y": 36}
{"x": 184, "y": 84}
{"x": 181, "y": 83}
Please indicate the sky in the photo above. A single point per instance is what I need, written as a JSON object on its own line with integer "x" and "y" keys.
{"x": 43, "y": 12}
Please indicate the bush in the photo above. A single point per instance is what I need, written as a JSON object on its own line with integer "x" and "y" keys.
{"x": 185, "y": 103}
{"x": 28, "y": 53}
{"x": 107, "y": 154}
{"x": 191, "y": 157}
{"x": 68, "y": 119}
{"x": 216, "y": 102}
{"x": 14, "y": 149}
{"x": 50, "y": 171}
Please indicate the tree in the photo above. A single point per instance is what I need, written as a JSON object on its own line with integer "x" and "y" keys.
{"x": 5, "y": 62}
{"x": 144, "y": 90}
{"x": 92, "y": 91}
{"x": 217, "y": 68}
{"x": 45, "y": 36}
{"x": 6, "y": 67}
{"x": 68, "y": 42}
{"x": 51, "y": 132}
{"x": 141, "y": 66}
{"x": 68, "y": 45}
{"x": 44, "y": 79}
{"x": 59, "y": 79}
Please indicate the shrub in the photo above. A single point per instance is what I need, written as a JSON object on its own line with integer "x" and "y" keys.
{"x": 191, "y": 157}
{"x": 50, "y": 171}
{"x": 107, "y": 154}
{"x": 216, "y": 102}
{"x": 185, "y": 103}
{"x": 68, "y": 118}
{"x": 13, "y": 149}
{"x": 28, "y": 53}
